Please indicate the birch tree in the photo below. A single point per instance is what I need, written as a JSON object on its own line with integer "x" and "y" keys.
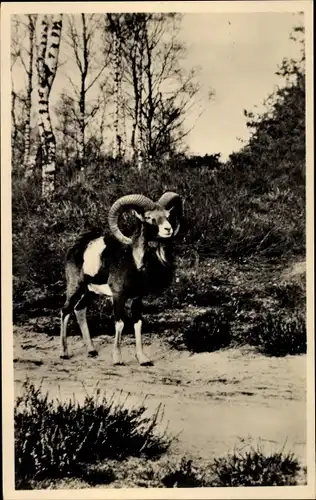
{"x": 22, "y": 52}
{"x": 125, "y": 31}
{"x": 28, "y": 162}
{"x": 159, "y": 91}
{"x": 15, "y": 52}
{"x": 115, "y": 26}
{"x": 117, "y": 45}
{"x": 83, "y": 37}
{"x": 169, "y": 90}
{"x": 47, "y": 58}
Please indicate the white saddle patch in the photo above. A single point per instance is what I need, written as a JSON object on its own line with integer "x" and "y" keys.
{"x": 92, "y": 256}
{"x": 100, "y": 289}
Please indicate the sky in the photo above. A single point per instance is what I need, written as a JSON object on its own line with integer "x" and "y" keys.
{"x": 237, "y": 56}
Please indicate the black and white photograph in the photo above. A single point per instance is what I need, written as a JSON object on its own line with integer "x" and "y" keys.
{"x": 157, "y": 250}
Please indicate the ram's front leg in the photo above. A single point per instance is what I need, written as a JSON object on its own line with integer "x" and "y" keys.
{"x": 118, "y": 309}
{"x": 137, "y": 323}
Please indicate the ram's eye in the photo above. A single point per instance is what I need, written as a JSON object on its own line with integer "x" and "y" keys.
{"x": 154, "y": 221}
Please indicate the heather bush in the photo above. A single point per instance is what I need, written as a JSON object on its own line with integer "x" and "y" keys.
{"x": 247, "y": 467}
{"x": 278, "y": 333}
{"x": 289, "y": 295}
{"x": 208, "y": 332}
{"x": 219, "y": 219}
{"x": 183, "y": 474}
{"x": 55, "y": 439}
{"x": 253, "y": 467}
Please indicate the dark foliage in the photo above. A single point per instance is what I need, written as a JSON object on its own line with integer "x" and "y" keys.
{"x": 183, "y": 475}
{"x": 55, "y": 439}
{"x": 255, "y": 468}
{"x": 279, "y": 333}
{"x": 208, "y": 332}
{"x": 249, "y": 467}
{"x": 253, "y": 205}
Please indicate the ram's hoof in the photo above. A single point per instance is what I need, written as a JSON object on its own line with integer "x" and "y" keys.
{"x": 117, "y": 358}
{"x": 146, "y": 363}
{"x": 64, "y": 355}
{"x": 93, "y": 353}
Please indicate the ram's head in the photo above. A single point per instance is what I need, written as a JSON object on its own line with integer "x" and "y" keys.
{"x": 161, "y": 219}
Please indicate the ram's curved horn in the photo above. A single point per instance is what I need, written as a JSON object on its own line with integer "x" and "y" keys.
{"x": 128, "y": 202}
{"x": 169, "y": 200}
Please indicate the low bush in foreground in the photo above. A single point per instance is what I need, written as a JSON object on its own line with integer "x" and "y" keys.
{"x": 208, "y": 332}
{"x": 280, "y": 333}
{"x": 184, "y": 474}
{"x": 59, "y": 444}
{"x": 251, "y": 467}
{"x": 254, "y": 468}
{"x": 55, "y": 439}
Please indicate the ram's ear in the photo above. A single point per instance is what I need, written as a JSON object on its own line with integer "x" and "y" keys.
{"x": 139, "y": 215}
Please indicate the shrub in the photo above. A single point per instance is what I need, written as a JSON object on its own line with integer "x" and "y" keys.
{"x": 248, "y": 467}
{"x": 55, "y": 439}
{"x": 208, "y": 332}
{"x": 223, "y": 217}
{"x": 183, "y": 475}
{"x": 280, "y": 333}
{"x": 254, "y": 468}
{"x": 289, "y": 295}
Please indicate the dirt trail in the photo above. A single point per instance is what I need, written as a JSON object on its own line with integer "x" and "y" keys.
{"x": 214, "y": 400}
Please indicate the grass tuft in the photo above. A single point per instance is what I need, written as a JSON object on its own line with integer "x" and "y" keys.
{"x": 254, "y": 468}
{"x": 55, "y": 439}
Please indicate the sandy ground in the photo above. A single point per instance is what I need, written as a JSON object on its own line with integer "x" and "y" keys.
{"x": 212, "y": 401}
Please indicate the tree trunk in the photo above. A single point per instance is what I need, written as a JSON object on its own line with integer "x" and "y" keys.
{"x": 81, "y": 142}
{"x": 117, "y": 146}
{"x": 150, "y": 112}
{"x": 28, "y": 161}
{"x": 140, "y": 110}
{"x": 135, "y": 88}
{"x": 82, "y": 100}
{"x": 47, "y": 58}
{"x": 14, "y": 130}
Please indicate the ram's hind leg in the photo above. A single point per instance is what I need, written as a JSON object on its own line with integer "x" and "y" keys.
{"x": 137, "y": 323}
{"x": 81, "y": 316}
{"x": 64, "y": 318}
{"x": 72, "y": 298}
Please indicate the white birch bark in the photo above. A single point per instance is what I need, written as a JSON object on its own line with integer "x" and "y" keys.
{"x": 47, "y": 59}
{"x": 28, "y": 161}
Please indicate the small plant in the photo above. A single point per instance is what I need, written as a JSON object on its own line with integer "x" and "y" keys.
{"x": 289, "y": 295}
{"x": 183, "y": 475}
{"x": 280, "y": 333}
{"x": 254, "y": 468}
{"x": 208, "y": 332}
{"x": 55, "y": 439}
